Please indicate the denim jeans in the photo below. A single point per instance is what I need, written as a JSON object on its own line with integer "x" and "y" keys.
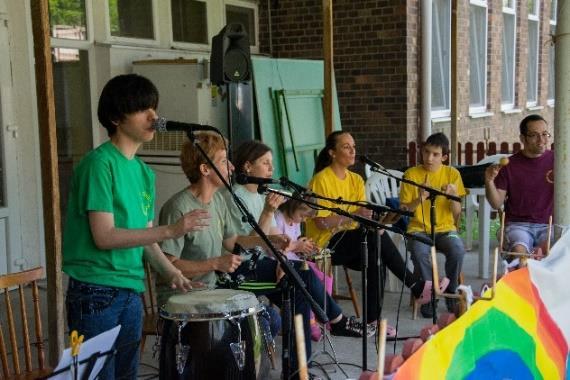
{"x": 529, "y": 235}
{"x": 93, "y": 309}
{"x": 448, "y": 243}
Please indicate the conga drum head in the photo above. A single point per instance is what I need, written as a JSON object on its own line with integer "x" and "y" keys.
{"x": 206, "y": 305}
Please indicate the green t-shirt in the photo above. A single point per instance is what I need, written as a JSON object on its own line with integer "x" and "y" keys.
{"x": 105, "y": 180}
{"x": 196, "y": 245}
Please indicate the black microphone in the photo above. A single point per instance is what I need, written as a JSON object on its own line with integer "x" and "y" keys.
{"x": 244, "y": 179}
{"x": 163, "y": 125}
{"x": 372, "y": 164}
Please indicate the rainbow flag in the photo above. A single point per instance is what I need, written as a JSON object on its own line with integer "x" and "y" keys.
{"x": 523, "y": 333}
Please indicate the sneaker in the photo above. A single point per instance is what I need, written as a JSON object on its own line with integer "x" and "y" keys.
{"x": 351, "y": 327}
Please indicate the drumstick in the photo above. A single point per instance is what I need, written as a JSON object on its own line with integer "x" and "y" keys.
{"x": 301, "y": 353}
{"x": 548, "y": 237}
{"x": 382, "y": 347}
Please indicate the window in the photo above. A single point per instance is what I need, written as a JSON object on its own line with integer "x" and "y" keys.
{"x": 189, "y": 21}
{"x": 244, "y": 14}
{"x": 551, "y": 56}
{"x": 509, "y": 51}
{"x": 68, "y": 19}
{"x": 440, "y": 58}
{"x": 72, "y": 112}
{"x": 477, "y": 55}
{"x": 131, "y": 19}
{"x": 532, "y": 67}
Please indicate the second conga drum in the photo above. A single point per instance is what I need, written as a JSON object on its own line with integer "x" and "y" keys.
{"x": 212, "y": 334}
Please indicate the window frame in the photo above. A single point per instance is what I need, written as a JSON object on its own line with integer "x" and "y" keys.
{"x": 480, "y": 108}
{"x": 130, "y": 41}
{"x": 512, "y": 10}
{"x": 533, "y": 16}
{"x": 246, "y": 4}
{"x": 87, "y": 45}
{"x": 446, "y": 112}
{"x": 552, "y": 59}
{"x": 192, "y": 45}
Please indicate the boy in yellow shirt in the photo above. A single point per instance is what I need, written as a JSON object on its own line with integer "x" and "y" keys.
{"x": 433, "y": 173}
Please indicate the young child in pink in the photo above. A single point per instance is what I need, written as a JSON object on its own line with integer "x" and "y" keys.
{"x": 288, "y": 218}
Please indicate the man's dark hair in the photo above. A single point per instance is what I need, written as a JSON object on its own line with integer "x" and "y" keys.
{"x": 123, "y": 95}
{"x": 523, "y": 127}
{"x": 439, "y": 140}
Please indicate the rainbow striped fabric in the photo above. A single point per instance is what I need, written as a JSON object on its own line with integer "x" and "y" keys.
{"x": 523, "y": 333}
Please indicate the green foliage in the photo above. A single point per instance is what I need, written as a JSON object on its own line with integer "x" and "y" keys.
{"x": 494, "y": 226}
{"x": 67, "y": 12}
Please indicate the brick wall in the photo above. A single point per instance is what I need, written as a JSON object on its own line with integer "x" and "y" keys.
{"x": 371, "y": 61}
{"x": 377, "y": 61}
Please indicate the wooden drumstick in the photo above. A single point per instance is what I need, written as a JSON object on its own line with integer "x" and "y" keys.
{"x": 548, "y": 236}
{"x": 502, "y": 239}
{"x": 301, "y": 352}
{"x": 435, "y": 271}
{"x": 382, "y": 347}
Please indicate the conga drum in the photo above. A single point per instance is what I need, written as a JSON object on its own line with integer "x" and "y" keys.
{"x": 212, "y": 334}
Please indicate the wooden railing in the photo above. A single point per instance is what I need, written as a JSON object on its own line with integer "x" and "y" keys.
{"x": 470, "y": 153}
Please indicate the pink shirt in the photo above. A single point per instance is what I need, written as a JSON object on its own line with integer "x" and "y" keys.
{"x": 291, "y": 230}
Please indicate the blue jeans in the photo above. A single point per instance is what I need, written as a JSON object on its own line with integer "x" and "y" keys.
{"x": 529, "y": 235}
{"x": 451, "y": 245}
{"x": 93, "y": 309}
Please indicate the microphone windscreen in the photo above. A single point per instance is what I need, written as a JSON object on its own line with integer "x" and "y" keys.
{"x": 241, "y": 179}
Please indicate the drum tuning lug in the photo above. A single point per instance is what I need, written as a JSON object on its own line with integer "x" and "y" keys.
{"x": 182, "y": 351}
{"x": 238, "y": 349}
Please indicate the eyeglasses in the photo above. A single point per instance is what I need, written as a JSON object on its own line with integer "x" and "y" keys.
{"x": 536, "y": 136}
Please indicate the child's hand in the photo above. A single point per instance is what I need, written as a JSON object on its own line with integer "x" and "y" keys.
{"x": 272, "y": 201}
{"x": 364, "y": 212}
{"x": 450, "y": 189}
{"x": 306, "y": 246}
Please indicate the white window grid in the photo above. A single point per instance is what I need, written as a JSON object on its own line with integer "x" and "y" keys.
{"x": 509, "y": 68}
{"x": 191, "y": 45}
{"x": 444, "y": 57}
{"x": 479, "y": 73}
{"x": 533, "y": 52}
{"x": 119, "y": 40}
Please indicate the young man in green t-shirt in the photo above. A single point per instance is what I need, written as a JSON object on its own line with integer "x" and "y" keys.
{"x": 433, "y": 173}
{"x": 108, "y": 228}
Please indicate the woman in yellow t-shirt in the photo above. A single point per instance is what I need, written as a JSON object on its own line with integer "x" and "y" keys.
{"x": 334, "y": 180}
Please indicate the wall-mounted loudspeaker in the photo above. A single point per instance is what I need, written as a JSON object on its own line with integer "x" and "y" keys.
{"x": 230, "y": 60}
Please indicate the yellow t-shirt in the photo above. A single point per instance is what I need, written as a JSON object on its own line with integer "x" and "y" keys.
{"x": 327, "y": 184}
{"x": 443, "y": 216}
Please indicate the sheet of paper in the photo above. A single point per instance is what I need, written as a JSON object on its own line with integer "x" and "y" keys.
{"x": 98, "y": 344}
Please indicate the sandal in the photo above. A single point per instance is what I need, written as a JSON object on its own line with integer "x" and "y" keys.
{"x": 425, "y": 297}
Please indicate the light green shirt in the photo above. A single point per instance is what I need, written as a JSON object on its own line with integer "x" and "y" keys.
{"x": 196, "y": 245}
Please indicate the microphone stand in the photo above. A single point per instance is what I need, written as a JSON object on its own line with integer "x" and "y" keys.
{"x": 368, "y": 225}
{"x": 293, "y": 280}
{"x": 433, "y": 193}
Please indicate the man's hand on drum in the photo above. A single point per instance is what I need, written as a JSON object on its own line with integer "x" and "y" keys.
{"x": 227, "y": 263}
{"x": 195, "y": 220}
